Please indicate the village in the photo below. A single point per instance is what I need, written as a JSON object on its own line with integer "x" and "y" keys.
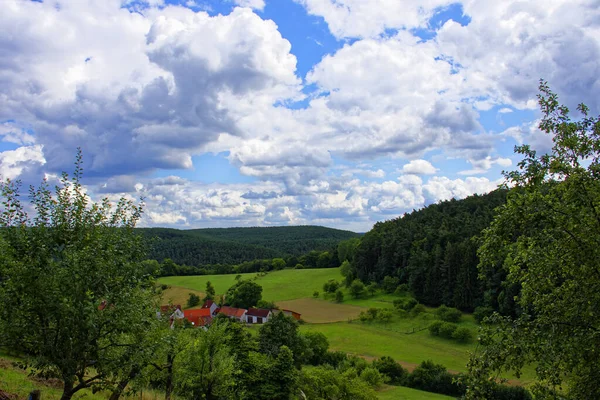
{"x": 202, "y": 317}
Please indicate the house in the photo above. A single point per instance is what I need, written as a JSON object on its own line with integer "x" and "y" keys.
{"x": 232, "y": 312}
{"x": 291, "y": 313}
{"x": 199, "y": 317}
{"x": 210, "y": 305}
{"x": 258, "y": 315}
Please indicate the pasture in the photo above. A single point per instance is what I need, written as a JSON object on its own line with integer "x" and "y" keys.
{"x": 179, "y": 295}
{"x": 287, "y": 284}
{"x": 320, "y": 311}
{"x": 404, "y": 393}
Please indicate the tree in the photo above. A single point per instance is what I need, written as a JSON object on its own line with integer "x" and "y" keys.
{"x": 278, "y": 263}
{"x": 547, "y": 241}
{"x": 316, "y": 344}
{"x": 372, "y": 288}
{"x": 357, "y": 288}
{"x": 339, "y": 296}
{"x": 390, "y": 368}
{"x": 72, "y": 285}
{"x": 244, "y": 294}
{"x": 210, "y": 291}
{"x": 331, "y": 286}
{"x": 280, "y": 330}
{"x": 193, "y": 300}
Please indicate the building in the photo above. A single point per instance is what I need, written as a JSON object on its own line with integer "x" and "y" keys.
{"x": 210, "y": 305}
{"x": 258, "y": 315}
{"x": 291, "y": 313}
{"x": 232, "y": 312}
{"x": 199, "y": 317}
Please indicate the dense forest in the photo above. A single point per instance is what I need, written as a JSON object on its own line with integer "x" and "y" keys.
{"x": 198, "y": 247}
{"x": 434, "y": 251}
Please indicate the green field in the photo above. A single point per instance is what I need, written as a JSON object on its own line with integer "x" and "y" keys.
{"x": 404, "y": 393}
{"x": 287, "y": 284}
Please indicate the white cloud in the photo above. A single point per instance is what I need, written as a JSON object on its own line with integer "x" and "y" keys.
{"x": 255, "y": 4}
{"x": 419, "y": 167}
{"x": 443, "y": 188}
{"x": 14, "y": 162}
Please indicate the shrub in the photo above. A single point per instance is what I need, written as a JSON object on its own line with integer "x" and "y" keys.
{"x": 384, "y": 315}
{"x": 434, "y": 378}
{"x": 434, "y": 328}
{"x": 448, "y": 314}
{"x": 417, "y": 309}
{"x": 193, "y": 300}
{"x": 390, "y": 283}
{"x": 481, "y": 313}
{"x": 405, "y": 304}
{"x": 372, "y": 288}
{"x": 335, "y": 358}
{"x": 462, "y": 335}
{"x": 164, "y": 287}
{"x": 401, "y": 289}
{"x": 372, "y": 376}
{"x": 504, "y": 392}
{"x": 390, "y": 368}
{"x": 447, "y": 329}
{"x": 357, "y": 288}
{"x": 331, "y": 286}
{"x": 299, "y": 266}
{"x": 316, "y": 294}
{"x": 339, "y": 296}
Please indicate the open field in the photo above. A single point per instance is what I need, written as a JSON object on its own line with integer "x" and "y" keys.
{"x": 179, "y": 295}
{"x": 320, "y": 311}
{"x": 404, "y": 393}
{"x": 288, "y": 284}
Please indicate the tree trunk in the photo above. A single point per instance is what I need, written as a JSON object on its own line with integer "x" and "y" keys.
{"x": 118, "y": 391}
{"x": 67, "y": 390}
{"x": 169, "y": 383}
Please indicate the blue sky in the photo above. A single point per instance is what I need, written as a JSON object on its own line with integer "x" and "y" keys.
{"x": 283, "y": 112}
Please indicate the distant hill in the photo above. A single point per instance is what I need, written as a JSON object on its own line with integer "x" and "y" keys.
{"x": 235, "y": 245}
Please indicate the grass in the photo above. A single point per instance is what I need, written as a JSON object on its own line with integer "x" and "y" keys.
{"x": 179, "y": 295}
{"x": 320, "y": 311}
{"x": 287, "y": 284}
{"x": 404, "y": 393}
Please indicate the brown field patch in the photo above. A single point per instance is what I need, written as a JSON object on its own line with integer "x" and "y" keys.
{"x": 179, "y": 295}
{"x": 321, "y": 311}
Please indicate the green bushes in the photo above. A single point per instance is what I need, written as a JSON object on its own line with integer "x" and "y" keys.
{"x": 375, "y": 314}
{"x": 394, "y": 372}
{"x": 481, "y": 313}
{"x": 405, "y": 304}
{"x": 193, "y": 300}
{"x": 448, "y": 314}
{"x": 449, "y": 330}
{"x": 434, "y": 378}
{"x": 462, "y": 335}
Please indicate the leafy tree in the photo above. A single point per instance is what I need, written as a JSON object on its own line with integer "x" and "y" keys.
{"x": 206, "y": 366}
{"x": 280, "y": 330}
{"x": 327, "y": 383}
{"x": 316, "y": 345}
{"x": 390, "y": 283}
{"x": 357, "y": 288}
{"x": 244, "y": 294}
{"x": 372, "y": 376}
{"x": 448, "y": 314}
{"x": 316, "y": 294}
{"x": 193, "y": 300}
{"x": 210, "y": 291}
{"x": 390, "y": 368}
{"x": 331, "y": 286}
{"x": 547, "y": 242}
{"x": 435, "y": 378}
{"x": 72, "y": 285}
{"x": 339, "y": 296}
{"x": 324, "y": 260}
{"x": 278, "y": 263}
{"x": 385, "y": 315}
{"x": 372, "y": 288}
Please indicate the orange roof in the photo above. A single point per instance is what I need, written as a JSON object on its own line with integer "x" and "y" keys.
{"x": 198, "y": 317}
{"x": 232, "y": 311}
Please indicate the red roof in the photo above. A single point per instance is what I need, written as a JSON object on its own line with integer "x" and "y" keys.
{"x": 232, "y": 311}
{"x": 258, "y": 312}
{"x": 169, "y": 308}
{"x": 198, "y": 317}
{"x": 208, "y": 303}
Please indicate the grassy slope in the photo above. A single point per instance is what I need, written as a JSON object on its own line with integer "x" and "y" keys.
{"x": 404, "y": 393}
{"x": 288, "y": 284}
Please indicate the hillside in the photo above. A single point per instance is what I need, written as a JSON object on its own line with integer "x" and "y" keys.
{"x": 434, "y": 251}
{"x": 235, "y": 245}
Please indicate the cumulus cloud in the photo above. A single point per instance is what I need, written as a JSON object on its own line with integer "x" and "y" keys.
{"x": 443, "y": 188}
{"x": 419, "y": 167}
{"x": 255, "y": 4}
{"x": 13, "y": 163}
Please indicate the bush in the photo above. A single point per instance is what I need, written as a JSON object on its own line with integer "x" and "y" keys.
{"x": 316, "y": 294}
{"x": 434, "y": 378}
{"x": 193, "y": 300}
{"x": 389, "y": 284}
{"x": 390, "y": 368}
{"x": 481, "y": 313}
{"x": 405, "y": 304}
{"x": 357, "y": 288}
{"x": 331, "y": 286}
{"x": 417, "y": 309}
{"x": 434, "y": 328}
{"x": 371, "y": 376}
{"x": 339, "y": 296}
{"x": 448, "y": 314}
{"x": 401, "y": 289}
{"x": 447, "y": 329}
{"x": 335, "y": 358}
{"x": 504, "y": 392}
{"x": 462, "y": 335}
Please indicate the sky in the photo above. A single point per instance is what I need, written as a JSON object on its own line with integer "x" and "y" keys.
{"x": 339, "y": 113}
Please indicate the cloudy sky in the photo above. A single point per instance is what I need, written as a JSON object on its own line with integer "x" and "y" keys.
{"x": 273, "y": 112}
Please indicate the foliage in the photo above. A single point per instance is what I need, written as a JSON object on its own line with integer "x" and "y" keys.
{"x": 546, "y": 240}
{"x": 316, "y": 294}
{"x": 316, "y": 346}
{"x": 434, "y": 378}
{"x": 372, "y": 288}
{"x": 417, "y": 309}
{"x": 372, "y": 376}
{"x": 462, "y": 334}
{"x": 448, "y": 314}
{"x": 331, "y": 286}
{"x": 193, "y": 300}
{"x": 278, "y": 263}
{"x": 357, "y": 288}
{"x": 390, "y": 368}
{"x": 405, "y": 304}
{"x": 433, "y": 251}
{"x": 244, "y": 294}
{"x": 390, "y": 283}
{"x": 443, "y": 329}
{"x": 482, "y": 312}
{"x": 209, "y": 292}
{"x": 72, "y": 285}
{"x": 281, "y": 330}
{"x": 339, "y": 296}
{"x": 232, "y": 246}
{"x": 327, "y": 383}
{"x": 269, "y": 305}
